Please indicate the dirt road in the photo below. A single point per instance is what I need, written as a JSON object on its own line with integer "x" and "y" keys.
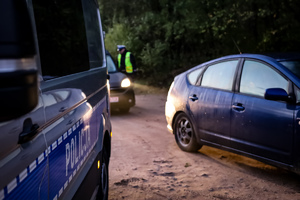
{"x": 147, "y": 164}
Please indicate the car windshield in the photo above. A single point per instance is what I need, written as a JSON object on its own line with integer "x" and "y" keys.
{"x": 293, "y": 66}
{"x": 111, "y": 67}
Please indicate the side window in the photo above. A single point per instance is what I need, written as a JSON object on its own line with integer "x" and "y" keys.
{"x": 62, "y": 37}
{"x": 257, "y": 77}
{"x": 92, "y": 17}
{"x": 194, "y": 75}
{"x": 220, "y": 75}
{"x": 111, "y": 67}
{"x": 297, "y": 92}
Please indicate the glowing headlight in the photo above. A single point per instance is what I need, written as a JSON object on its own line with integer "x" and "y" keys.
{"x": 125, "y": 82}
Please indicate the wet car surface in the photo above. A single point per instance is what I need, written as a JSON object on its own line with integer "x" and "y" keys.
{"x": 247, "y": 104}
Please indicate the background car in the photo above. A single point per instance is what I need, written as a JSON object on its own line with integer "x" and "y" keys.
{"x": 247, "y": 104}
{"x": 122, "y": 95}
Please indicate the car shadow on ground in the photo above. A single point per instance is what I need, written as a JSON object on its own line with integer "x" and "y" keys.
{"x": 117, "y": 112}
{"x": 133, "y": 111}
{"x": 251, "y": 166}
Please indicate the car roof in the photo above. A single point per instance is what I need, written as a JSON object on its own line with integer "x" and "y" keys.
{"x": 268, "y": 57}
{"x": 271, "y": 58}
{"x": 284, "y": 56}
{"x": 244, "y": 55}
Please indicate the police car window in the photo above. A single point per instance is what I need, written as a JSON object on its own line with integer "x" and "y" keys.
{"x": 62, "y": 37}
{"x": 93, "y": 33}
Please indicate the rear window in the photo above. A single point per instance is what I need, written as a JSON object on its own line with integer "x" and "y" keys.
{"x": 194, "y": 75}
{"x": 220, "y": 75}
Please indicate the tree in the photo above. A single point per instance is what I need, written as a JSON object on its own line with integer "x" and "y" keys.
{"x": 170, "y": 36}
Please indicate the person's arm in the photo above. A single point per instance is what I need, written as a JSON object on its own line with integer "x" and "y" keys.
{"x": 132, "y": 60}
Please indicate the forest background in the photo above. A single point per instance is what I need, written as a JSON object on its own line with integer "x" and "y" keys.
{"x": 168, "y": 37}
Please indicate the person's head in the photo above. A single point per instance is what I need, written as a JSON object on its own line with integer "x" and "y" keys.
{"x": 121, "y": 48}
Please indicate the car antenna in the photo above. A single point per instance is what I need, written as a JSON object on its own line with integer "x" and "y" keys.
{"x": 236, "y": 46}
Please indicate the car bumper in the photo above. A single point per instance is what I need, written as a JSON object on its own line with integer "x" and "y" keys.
{"x": 169, "y": 113}
{"x": 122, "y": 98}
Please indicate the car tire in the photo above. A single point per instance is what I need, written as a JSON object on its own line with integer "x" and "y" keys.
{"x": 104, "y": 179}
{"x": 184, "y": 134}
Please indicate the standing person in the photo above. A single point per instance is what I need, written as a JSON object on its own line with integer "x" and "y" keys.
{"x": 126, "y": 62}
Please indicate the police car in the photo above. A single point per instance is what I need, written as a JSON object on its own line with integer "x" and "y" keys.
{"x": 55, "y": 130}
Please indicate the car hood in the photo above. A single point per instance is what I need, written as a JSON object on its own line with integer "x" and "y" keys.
{"x": 116, "y": 79}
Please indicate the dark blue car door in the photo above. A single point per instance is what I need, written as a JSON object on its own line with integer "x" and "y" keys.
{"x": 259, "y": 126}
{"x": 210, "y": 103}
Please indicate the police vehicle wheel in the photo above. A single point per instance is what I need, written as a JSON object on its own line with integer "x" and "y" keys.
{"x": 185, "y": 134}
{"x": 103, "y": 189}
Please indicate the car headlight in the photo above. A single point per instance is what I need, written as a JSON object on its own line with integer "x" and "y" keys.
{"x": 125, "y": 83}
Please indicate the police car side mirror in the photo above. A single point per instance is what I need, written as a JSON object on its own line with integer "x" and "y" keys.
{"x": 18, "y": 71}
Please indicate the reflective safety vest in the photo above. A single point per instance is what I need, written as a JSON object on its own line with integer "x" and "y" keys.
{"x": 128, "y": 64}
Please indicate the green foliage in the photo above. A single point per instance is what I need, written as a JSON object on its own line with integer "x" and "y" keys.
{"x": 170, "y": 36}
{"x": 117, "y": 35}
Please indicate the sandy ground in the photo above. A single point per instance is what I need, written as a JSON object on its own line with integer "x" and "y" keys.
{"x": 147, "y": 164}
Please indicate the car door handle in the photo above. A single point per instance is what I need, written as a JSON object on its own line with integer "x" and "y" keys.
{"x": 71, "y": 121}
{"x": 27, "y": 134}
{"x": 238, "y": 107}
{"x": 193, "y": 97}
{"x": 62, "y": 109}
